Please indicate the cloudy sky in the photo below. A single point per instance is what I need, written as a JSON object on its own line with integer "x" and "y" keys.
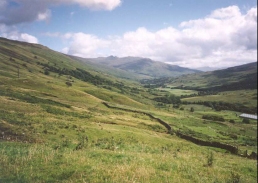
{"x": 189, "y": 33}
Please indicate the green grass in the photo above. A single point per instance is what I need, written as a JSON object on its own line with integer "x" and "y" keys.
{"x": 246, "y": 97}
{"x": 172, "y": 160}
{"x": 50, "y": 132}
{"x": 179, "y": 92}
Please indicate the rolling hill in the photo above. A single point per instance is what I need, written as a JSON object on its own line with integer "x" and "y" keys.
{"x": 144, "y": 67}
{"x": 233, "y": 78}
{"x": 64, "y": 120}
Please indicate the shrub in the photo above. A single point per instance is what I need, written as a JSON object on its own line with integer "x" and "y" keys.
{"x": 45, "y": 131}
{"x": 210, "y": 159}
{"x": 66, "y": 143}
{"x": 46, "y": 72}
{"x": 213, "y": 117}
{"x": 233, "y": 136}
{"x": 24, "y": 65}
{"x": 68, "y": 83}
{"x": 235, "y": 177}
{"x": 83, "y": 142}
{"x": 192, "y": 109}
{"x": 246, "y": 121}
{"x": 232, "y": 121}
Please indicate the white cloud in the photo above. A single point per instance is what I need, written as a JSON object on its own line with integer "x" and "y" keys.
{"x": 52, "y": 34}
{"x": 10, "y": 32}
{"x": 38, "y": 10}
{"x": 226, "y": 37}
{"x": 32, "y": 10}
{"x": 44, "y": 16}
{"x": 85, "y": 45}
{"x": 20, "y": 37}
{"x": 228, "y": 12}
{"x": 96, "y": 4}
{"x": 27, "y": 38}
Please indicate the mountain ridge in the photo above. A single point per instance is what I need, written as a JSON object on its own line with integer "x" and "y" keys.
{"x": 232, "y": 78}
{"x": 141, "y": 66}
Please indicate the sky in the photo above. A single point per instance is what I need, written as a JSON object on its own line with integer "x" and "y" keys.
{"x": 188, "y": 33}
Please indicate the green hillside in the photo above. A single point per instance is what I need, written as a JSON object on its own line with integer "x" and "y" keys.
{"x": 107, "y": 69}
{"x": 144, "y": 68}
{"x": 62, "y": 120}
{"x": 234, "y": 78}
{"x": 233, "y": 88}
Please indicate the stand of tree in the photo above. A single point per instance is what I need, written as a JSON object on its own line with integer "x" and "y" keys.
{"x": 82, "y": 75}
{"x": 200, "y": 93}
{"x": 168, "y": 99}
{"x": 218, "y": 106}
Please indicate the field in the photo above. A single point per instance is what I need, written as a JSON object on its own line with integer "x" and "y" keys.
{"x": 178, "y": 92}
{"x": 55, "y": 127}
{"x": 245, "y": 97}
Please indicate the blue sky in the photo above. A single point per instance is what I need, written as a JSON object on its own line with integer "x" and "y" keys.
{"x": 189, "y": 33}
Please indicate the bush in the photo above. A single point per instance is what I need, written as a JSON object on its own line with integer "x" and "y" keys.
{"x": 192, "y": 109}
{"x": 233, "y": 136}
{"x": 246, "y": 121}
{"x": 168, "y": 99}
{"x": 210, "y": 159}
{"x": 232, "y": 121}
{"x": 213, "y": 117}
{"x": 68, "y": 83}
{"x": 83, "y": 142}
{"x": 234, "y": 178}
{"x": 45, "y": 131}
{"x": 46, "y": 72}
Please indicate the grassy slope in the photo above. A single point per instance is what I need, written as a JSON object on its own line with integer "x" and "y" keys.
{"x": 235, "y": 85}
{"x": 75, "y": 138}
{"x": 245, "y": 73}
{"x": 143, "y": 68}
{"x": 245, "y": 97}
{"x": 106, "y": 69}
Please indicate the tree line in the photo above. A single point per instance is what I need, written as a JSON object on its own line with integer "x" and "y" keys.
{"x": 219, "y": 105}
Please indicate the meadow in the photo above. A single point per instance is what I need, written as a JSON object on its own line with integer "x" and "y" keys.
{"x": 245, "y": 97}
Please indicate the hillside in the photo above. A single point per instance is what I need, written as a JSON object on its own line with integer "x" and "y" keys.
{"x": 112, "y": 71}
{"x": 233, "y": 78}
{"x": 144, "y": 67}
{"x": 63, "y": 121}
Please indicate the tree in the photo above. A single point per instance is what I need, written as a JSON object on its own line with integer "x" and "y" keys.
{"x": 68, "y": 83}
{"x": 46, "y": 72}
{"x": 232, "y": 121}
{"x": 246, "y": 121}
{"x": 192, "y": 109}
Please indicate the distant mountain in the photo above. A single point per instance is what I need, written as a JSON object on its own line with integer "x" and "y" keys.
{"x": 106, "y": 69}
{"x": 233, "y": 78}
{"x": 142, "y": 66}
{"x": 206, "y": 69}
